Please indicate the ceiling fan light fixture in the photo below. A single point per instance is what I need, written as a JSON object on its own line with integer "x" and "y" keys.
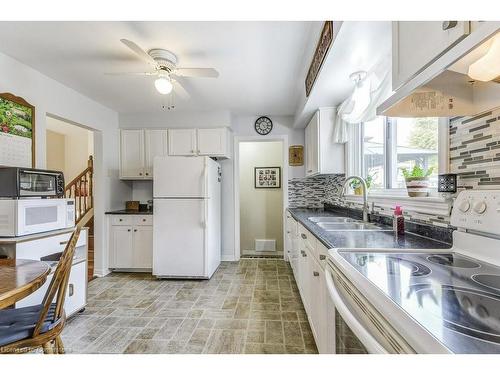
{"x": 487, "y": 68}
{"x": 163, "y": 85}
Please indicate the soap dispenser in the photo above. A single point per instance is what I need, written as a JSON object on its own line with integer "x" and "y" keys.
{"x": 398, "y": 221}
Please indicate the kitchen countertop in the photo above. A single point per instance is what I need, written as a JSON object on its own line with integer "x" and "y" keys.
{"x": 362, "y": 239}
{"x": 129, "y": 212}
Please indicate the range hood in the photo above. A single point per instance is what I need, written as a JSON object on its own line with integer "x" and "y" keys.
{"x": 443, "y": 89}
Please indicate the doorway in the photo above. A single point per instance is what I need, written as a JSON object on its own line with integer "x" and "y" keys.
{"x": 70, "y": 149}
{"x": 261, "y": 198}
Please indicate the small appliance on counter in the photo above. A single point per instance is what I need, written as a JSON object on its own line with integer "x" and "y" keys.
{"x": 28, "y": 182}
{"x": 132, "y": 205}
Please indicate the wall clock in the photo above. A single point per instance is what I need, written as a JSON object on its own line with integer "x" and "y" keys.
{"x": 263, "y": 125}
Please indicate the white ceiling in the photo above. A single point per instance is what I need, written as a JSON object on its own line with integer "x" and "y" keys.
{"x": 261, "y": 64}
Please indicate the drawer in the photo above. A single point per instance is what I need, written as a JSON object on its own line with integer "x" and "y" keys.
{"x": 122, "y": 219}
{"x": 48, "y": 245}
{"x": 143, "y": 219}
{"x": 309, "y": 239}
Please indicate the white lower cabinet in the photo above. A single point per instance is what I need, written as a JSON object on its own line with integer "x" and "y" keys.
{"x": 131, "y": 242}
{"x": 310, "y": 277}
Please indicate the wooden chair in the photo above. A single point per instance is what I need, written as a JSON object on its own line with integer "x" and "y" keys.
{"x": 27, "y": 328}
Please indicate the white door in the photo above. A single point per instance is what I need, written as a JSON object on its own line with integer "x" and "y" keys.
{"x": 182, "y": 142}
{"x": 179, "y": 238}
{"x": 156, "y": 145}
{"x": 122, "y": 246}
{"x": 178, "y": 176}
{"x": 143, "y": 247}
{"x": 212, "y": 142}
{"x": 132, "y": 153}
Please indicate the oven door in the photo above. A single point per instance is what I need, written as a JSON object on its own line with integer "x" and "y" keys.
{"x": 349, "y": 334}
{"x": 40, "y": 215}
{"x": 37, "y": 184}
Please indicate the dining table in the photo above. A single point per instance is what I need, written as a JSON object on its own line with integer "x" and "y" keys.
{"x": 19, "y": 278}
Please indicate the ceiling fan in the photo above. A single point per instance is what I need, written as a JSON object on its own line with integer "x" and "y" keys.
{"x": 164, "y": 66}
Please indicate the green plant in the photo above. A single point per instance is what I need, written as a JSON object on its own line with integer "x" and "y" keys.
{"x": 417, "y": 171}
{"x": 355, "y": 183}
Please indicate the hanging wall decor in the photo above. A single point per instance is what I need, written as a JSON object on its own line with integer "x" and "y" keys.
{"x": 296, "y": 155}
{"x": 17, "y": 132}
{"x": 267, "y": 177}
{"x": 324, "y": 43}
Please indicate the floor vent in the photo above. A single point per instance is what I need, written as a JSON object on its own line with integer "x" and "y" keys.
{"x": 265, "y": 245}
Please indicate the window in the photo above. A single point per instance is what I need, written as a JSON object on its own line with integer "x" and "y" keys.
{"x": 389, "y": 145}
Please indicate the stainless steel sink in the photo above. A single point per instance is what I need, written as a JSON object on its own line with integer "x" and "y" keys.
{"x": 331, "y": 219}
{"x": 356, "y": 226}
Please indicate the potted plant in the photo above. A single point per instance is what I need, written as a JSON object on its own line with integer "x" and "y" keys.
{"x": 356, "y": 185}
{"x": 417, "y": 180}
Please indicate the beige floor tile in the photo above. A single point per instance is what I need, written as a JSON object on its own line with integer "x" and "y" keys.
{"x": 274, "y": 332}
{"x": 225, "y": 342}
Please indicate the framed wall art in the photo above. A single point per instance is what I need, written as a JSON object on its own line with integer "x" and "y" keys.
{"x": 267, "y": 177}
{"x": 324, "y": 43}
{"x": 17, "y": 132}
{"x": 296, "y": 155}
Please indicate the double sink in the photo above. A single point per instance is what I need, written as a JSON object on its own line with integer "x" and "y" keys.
{"x": 344, "y": 224}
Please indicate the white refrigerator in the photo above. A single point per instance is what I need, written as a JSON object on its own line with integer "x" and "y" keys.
{"x": 187, "y": 217}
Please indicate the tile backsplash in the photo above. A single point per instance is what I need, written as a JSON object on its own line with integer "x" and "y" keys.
{"x": 313, "y": 192}
{"x": 475, "y": 150}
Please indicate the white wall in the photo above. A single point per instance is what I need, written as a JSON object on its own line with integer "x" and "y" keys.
{"x": 51, "y": 97}
{"x": 261, "y": 210}
{"x": 241, "y": 126}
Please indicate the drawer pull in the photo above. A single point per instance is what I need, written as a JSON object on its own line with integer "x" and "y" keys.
{"x": 128, "y": 230}
{"x": 71, "y": 289}
{"x": 322, "y": 257}
{"x": 309, "y": 170}
{"x": 315, "y": 273}
{"x": 120, "y": 219}
{"x": 288, "y": 232}
{"x": 143, "y": 219}
{"x": 135, "y": 230}
{"x": 303, "y": 253}
{"x": 63, "y": 242}
{"x": 140, "y": 173}
{"x": 303, "y": 236}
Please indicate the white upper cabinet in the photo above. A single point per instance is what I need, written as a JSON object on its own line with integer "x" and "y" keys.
{"x": 156, "y": 145}
{"x": 322, "y": 155}
{"x": 213, "y": 142}
{"x": 132, "y": 153}
{"x": 416, "y": 44}
{"x": 182, "y": 142}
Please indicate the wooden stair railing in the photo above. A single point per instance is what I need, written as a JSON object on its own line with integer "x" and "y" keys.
{"x": 81, "y": 189}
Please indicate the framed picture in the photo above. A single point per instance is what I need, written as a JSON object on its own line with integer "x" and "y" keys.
{"x": 267, "y": 177}
{"x": 17, "y": 132}
{"x": 296, "y": 155}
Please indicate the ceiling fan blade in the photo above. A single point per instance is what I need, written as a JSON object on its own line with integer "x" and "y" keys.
{"x": 139, "y": 51}
{"x": 181, "y": 91}
{"x": 131, "y": 74}
{"x": 197, "y": 72}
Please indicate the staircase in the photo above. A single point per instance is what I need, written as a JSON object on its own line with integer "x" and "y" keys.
{"x": 81, "y": 189}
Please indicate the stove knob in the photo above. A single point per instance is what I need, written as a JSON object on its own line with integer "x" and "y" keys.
{"x": 464, "y": 206}
{"x": 479, "y": 207}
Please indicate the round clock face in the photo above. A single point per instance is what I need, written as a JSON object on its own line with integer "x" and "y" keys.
{"x": 263, "y": 125}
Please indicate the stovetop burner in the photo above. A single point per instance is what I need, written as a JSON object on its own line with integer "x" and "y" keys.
{"x": 452, "y": 261}
{"x": 491, "y": 281}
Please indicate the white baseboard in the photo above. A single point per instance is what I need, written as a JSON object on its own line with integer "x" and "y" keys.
{"x": 101, "y": 272}
{"x": 228, "y": 258}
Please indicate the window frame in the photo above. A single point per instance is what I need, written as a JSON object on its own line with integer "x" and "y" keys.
{"x": 355, "y": 155}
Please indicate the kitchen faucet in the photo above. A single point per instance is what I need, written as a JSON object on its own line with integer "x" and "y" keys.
{"x": 365, "y": 193}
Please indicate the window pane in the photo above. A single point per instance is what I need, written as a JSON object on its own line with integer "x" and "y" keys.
{"x": 417, "y": 144}
{"x": 373, "y": 152}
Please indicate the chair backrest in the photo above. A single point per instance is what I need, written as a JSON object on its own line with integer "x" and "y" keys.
{"x": 59, "y": 283}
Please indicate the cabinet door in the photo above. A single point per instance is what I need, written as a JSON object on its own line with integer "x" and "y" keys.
{"x": 77, "y": 289}
{"x": 212, "y": 142}
{"x": 121, "y": 247}
{"x": 318, "y": 304}
{"x": 303, "y": 279}
{"x": 143, "y": 247}
{"x": 156, "y": 145}
{"x": 182, "y": 142}
{"x": 131, "y": 154}
{"x": 416, "y": 44}
{"x": 312, "y": 145}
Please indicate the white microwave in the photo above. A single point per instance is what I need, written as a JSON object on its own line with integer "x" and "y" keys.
{"x": 19, "y": 217}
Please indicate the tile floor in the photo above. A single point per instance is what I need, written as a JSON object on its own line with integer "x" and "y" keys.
{"x": 250, "y": 306}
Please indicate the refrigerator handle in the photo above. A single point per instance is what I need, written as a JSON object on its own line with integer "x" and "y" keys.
{"x": 205, "y": 209}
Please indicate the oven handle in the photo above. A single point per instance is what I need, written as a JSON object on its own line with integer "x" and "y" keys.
{"x": 371, "y": 344}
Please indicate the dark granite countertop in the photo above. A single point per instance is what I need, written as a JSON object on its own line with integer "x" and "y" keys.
{"x": 129, "y": 212}
{"x": 362, "y": 239}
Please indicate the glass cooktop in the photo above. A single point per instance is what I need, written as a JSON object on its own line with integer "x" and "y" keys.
{"x": 456, "y": 298}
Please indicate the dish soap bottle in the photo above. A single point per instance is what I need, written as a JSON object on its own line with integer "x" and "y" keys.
{"x": 398, "y": 221}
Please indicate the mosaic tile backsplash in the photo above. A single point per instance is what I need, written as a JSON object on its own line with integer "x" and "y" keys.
{"x": 475, "y": 150}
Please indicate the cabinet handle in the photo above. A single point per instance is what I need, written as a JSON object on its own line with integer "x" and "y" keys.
{"x": 147, "y": 174}
{"x": 447, "y": 25}
{"x": 71, "y": 289}
{"x": 135, "y": 230}
{"x": 309, "y": 170}
{"x": 303, "y": 253}
{"x": 63, "y": 242}
{"x": 322, "y": 257}
{"x": 128, "y": 230}
{"x": 288, "y": 232}
{"x": 143, "y": 219}
{"x": 315, "y": 273}
{"x": 120, "y": 219}
{"x": 140, "y": 173}
{"x": 303, "y": 236}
